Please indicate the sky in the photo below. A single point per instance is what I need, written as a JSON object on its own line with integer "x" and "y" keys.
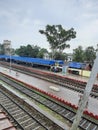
{"x": 21, "y": 20}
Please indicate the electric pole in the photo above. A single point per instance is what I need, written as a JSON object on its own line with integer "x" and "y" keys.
{"x": 86, "y": 94}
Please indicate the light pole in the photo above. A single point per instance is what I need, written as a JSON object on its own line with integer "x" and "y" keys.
{"x": 10, "y": 60}
{"x": 86, "y": 94}
{"x": 97, "y": 50}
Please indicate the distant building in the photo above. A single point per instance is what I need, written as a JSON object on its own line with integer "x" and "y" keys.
{"x": 69, "y": 56}
{"x": 7, "y": 47}
{"x": 46, "y": 56}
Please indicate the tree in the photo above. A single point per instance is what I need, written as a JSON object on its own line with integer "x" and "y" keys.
{"x": 1, "y": 49}
{"x": 89, "y": 54}
{"x": 57, "y": 37}
{"x": 35, "y": 51}
{"x": 78, "y": 54}
{"x": 42, "y": 52}
{"x": 21, "y": 51}
{"x": 29, "y": 51}
{"x": 61, "y": 56}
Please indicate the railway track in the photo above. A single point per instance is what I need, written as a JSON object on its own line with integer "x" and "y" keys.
{"x": 68, "y": 114}
{"x": 25, "y": 118}
{"x": 75, "y": 85}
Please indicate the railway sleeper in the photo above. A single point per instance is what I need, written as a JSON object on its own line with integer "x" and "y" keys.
{"x": 15, "y": 112}
{"x": 32, "y": 125}
{"x": 86, "y": 125}
{"x": 58, "y": 109}
{"x": 95, "y": 127}
{"x": 27, "y": 122}
{"x": 23, "y": 119}
{"x": 82, "y": 122}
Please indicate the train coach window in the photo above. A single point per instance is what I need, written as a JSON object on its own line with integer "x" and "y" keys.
{"x": 75, "y": 72}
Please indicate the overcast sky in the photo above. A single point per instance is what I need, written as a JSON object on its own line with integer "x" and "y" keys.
{"x": 21, "y": 20}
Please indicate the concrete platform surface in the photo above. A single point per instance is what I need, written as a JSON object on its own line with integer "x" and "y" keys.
{"x": 64, "y": 93}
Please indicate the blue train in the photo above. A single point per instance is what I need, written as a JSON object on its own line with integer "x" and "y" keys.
{"x": 54, "y": 65}
{"x": 82, "y": 69}
{"x": 77, "y": 65}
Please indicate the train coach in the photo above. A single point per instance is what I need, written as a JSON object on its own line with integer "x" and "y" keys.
{"x": 53, "y": 65}
{"x": 82, "y": 69}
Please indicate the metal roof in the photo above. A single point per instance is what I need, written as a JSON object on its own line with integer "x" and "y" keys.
{"x": 77, "y": 65}
{"x": 32, "y": 60}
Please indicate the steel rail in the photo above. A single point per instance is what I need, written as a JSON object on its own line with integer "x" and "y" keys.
{"x": 58, "y": 108}
{"x": 14, "y": 108}
{"x": 65, "y": 82}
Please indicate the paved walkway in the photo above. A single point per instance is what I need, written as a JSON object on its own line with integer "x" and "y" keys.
{"x": 77, "y": 77}
{"x": 66, "y": 94}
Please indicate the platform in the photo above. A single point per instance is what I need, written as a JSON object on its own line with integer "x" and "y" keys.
{"x": 77, "y": 77}
{"x": 64, "y": 93}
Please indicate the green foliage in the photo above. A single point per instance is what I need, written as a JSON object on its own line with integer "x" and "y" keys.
{"x": 57, "y": 37}
{"x": 35, "y": 51}
{"x": 78, "y": 54}
{"x": 31, "y": 51}
{"x": 88, "y": 55}
{"x": 42, "y": 52}
{"x": 21, "y": 51}
{"x": 1, "y": 49}
{"x": 60, "y": 56}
